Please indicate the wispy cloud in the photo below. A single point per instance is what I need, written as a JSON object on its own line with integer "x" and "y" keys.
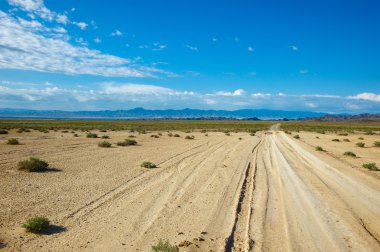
{"x": 116, "y": 33}
{"x": 81, "y": 25}
{"x": 304, "y": 71}
{"x": 192, "y": 48}
{"x": 294, "y": 48}
{"x": 366, "y": 97}
{"x": 250, "y": 49}
{"x": 97, "y": 40}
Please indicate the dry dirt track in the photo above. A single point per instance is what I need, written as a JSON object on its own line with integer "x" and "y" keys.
{"x": 265, "y": 193}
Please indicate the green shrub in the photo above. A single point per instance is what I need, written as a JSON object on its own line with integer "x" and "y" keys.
{"x": 2, "y": 131}
{"x": 376, "y": 144}
{"x": 91, "y": 135}
{"x": 105, "y": 137}
{"x": 13, "y": 141}
{"x": 104, "y": 144}
{"x": 36, "y": 224}
{"x": 189, "y": 137}
{"x": 33, "y": 165}
{"x": 319, "y": 148}
{"x": 369, "y": 132}
{"x": 177, "y": 135}
{"x": 127, "y": 142}
{"x": 164, "y": 246}
{"x": 346, "y": 140}
{"x": 371, "y": 166}
{"x": 349, "y": 153}
{"x": 297, "y": 136}
{"x": 360, "y": 144}
{"x": 335, "y": 140}
{"x": 147, "y": 164}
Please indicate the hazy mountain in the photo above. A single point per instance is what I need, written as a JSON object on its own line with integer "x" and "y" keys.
{"x": 140, "y": 113}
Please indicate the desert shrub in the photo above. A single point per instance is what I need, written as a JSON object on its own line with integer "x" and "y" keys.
{"x": 102, "y": 130}
{"x": 64, "y": 131}
{"x": 317, "y": 137}
{"x": 75, "y": 135}
{"x": 147, "y": 164}
{"x": 297, "y": 136}
{"x": 349, "y": 153}
{"x": 371, "y": 166}
{"x": 206, "y": 134}
{"x": 360, "y": 138}
{"x": 252, "y": 134}
{"x": 189, "y": 137}
{"x": 33, "y": 165}
{"x": 240, "y": 138}
{"x": 91, "y": 135}
{"x": 203, "y": 131}
{"x": 105, "y": 137}
{"x": 2, "y": 131}
{"x": 154, "y": 136}
{"x": 228, "y": 134}
{"x": 13, "y": 141}
{"x": 141, "y": 131}
{"x": 36, "y": 224}
{"x": 343, "y": 134}
{"x": 319, "y": 148}
{"x": 360, "y": 144}
{"x": 346, "y": 140}
{"x": 104, "y": 144}
{"x": 170, "y": 134}
{"x": 27, "y": 130}
{"x": 177, "y": 135}
{"x": 252, "y": 131}
{"x": 369, "y": 132}
{"x": 164, "y": 246}
{"x": 160, "y": 134}
{"x": 187, "y": 131}
{"x": 132, "y": 136}
{"x": 127, "y": 142}
{"x": 335, "y": 140}
{"x": 376, "y": 144}
{"x": 288, "y": 132}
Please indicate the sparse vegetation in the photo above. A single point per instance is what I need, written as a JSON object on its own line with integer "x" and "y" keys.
{"x": 91, "y": 135}
{"x": 360, "y": 144}
{"x": 170, "y": 134}
{"x": 155, "y": 136}
{"x": 369, "y": 132}
{"x": 206, "y": 134}
{"x": 105, "y": 137}
{"x": 288, "y": 132}
{"x": 76, "y": 135}
{"x": 317, "y": 137}
{"x": 190, "y": 137}
{"x": 252, "y": 134}
{"x": 3, "y": 131}
{"x": 240, "y": 138}
{"x": 335, "y": 140}
{"x": 64, "y": 131}
{"x": 371, "y": 166}
{"x": 346, "y": 140}
{"x": 177, "y": 135}
{"x": 102, "y": 130}
{"x": 33, "y": 165}
{"x": 13, "y": 141}
{"x": 228, "y": 134}
{"x": 297, "y": 136}
{"x": 164, "y": 246}
{"x": 36, "y": 224}
{"x": 127, "y": 142}
{"x": 160, "y": 134}
{"x": 319, "y": 148}
{"x": 360, "y": 138}
{"x": 349, "y": 153}
{"x": 376, "y": 144}
{"x": 343, "y": 134}
{"x": 105, "y": 144}
{"x": 147, "y": 164}
{"x": 132, "y": 136}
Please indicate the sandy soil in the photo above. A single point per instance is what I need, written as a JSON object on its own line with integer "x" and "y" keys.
{"x": 217, "y": 193}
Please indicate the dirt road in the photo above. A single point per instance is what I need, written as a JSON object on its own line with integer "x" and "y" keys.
{"x": 217, "y": 193}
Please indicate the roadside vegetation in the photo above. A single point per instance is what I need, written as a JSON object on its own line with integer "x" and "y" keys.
{"x": 127, "y": 142}
{"x": 147, "y": 164}
{"x": 164, "y": 246}
{"x": 36, "y": 224}
{"x": 33, "y": 165}
{"x": 371, "y": 166}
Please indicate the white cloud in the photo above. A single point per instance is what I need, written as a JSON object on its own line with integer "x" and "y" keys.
{"x": 30, "y": 45}
{"x": 304, "y": 71}
{"x": 294, "y": 48}
{"x": 366, "y": 96}
{"x": 250, "y": 49}
{"x": 97, "y": 40}
{"x": 192, "y": 48}
{"x": 117, "y": 33}
{"x": 260, "y": 95}
{"x": 237, "y": 92}
{"x": 81, "y": 25}
{"x": 214, "y": 40}
{"x": 93, "y": 24}
{"x": 236, "y": 39}
{"x": 34, "y": 7}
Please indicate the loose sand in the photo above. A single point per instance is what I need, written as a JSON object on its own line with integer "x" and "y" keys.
{"x": 218, "y": 193}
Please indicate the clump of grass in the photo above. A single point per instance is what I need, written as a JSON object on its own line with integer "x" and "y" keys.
{"x": 252, "y": 134}
{"x": 177, "y": 135}
{"x": 155, "y": 136}
{"x": 13, "y": 141}
{"x": 206, "y": 134}
{"x": 319, "y": 148}
{"x": 376, "y": 144}
{"x": 369, "y": 132}
{"x": 170, "y": 134}
{"x": 105, "y": 137}
{"x": 164, "y": 246}
{"x": 127, "y": 142}
{"x": 203, "y": 131}
{"x": 102, "y": 130}
{"x": 190, "y": 137}
{"x": 105, "y": 144}
{"x": 371, "y": 166}
{"x": 2, "y": 131}
{"x": 240, "y": 138}
{"x": 360, "y": 144}
{"x": 76, "y": 135}
{"x": 132, "y": 136}
{"x": 349, "y": 153}
{"x": 36, "y": 224}
{"x": 160, "y": 134}
{"x": 228, "y": 134}
{"x": 297, "y": 136}
{"x": 187, "y": 131}
{"x": 343, "y": 134}
{"x": 141, "y": 131}
{"x": 335, "y": 140}
{"x": 91, "y": 135}
{"x": 346, "y": 140}
{"x": 360, "y": 138}
{"x": 288, "y": 132}
{"x": 317, "y": 137}
{"x": 147, "y": 164}
{"x": 33, "y": 165}
{"x": 64, "y": 131}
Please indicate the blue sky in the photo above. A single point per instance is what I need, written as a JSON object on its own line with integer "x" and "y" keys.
{"x": 93, "y": 55}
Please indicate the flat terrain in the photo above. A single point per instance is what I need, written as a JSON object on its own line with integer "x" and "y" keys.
{"x": 215, "y": 193}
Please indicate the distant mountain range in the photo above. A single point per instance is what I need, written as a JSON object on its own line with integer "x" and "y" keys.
{"x": 140, "y": 113}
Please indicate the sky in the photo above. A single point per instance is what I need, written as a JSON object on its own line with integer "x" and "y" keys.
{"x": 314, "y": 55}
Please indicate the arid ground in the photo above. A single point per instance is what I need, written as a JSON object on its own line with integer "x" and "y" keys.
{"x": 268, "y": 192}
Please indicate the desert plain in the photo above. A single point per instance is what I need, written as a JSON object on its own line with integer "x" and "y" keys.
{"x": 267, "y": 191}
